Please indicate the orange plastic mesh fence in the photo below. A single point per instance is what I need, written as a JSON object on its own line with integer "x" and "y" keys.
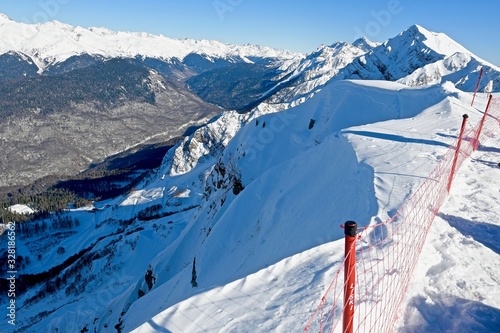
{"x": 387, "y": 253}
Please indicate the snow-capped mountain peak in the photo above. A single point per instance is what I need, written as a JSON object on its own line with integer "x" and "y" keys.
{"x": 54, "y": 42}
{"x": 56, "y": 24}
{"x": 435, "y": 58}
{"x": 400, "y": 56}
{"x": 313, "y": 71}
{"x": 437, "y": 42}
{"x": 365, "y": 44}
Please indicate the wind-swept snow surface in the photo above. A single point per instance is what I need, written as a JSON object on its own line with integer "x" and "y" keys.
{"x": 455, "y": 287}
{"x": 401, "y": 135}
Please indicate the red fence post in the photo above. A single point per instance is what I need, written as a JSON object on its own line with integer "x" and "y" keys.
{"x": 350, "y": 231}
{"x": 478, "y": 134}
{"x": 477, "y": 85}
{"x": 457, "y": 152}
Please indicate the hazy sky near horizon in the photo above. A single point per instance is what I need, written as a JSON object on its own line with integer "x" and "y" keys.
{"x": 297, "y": 25}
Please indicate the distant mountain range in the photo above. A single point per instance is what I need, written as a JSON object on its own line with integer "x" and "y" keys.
{"x": 72, "y": 96}
{"x": 55, "y": 42}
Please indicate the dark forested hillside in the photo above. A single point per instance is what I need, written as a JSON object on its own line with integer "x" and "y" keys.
{"x": 87, "y": 108}
{"x": 237, "y": 87}
{"x": 106, "y": 84}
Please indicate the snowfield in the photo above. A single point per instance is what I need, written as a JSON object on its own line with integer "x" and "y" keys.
{"x": 402, "y": 152}
{"x": 21, "y": 209}
{"x": 456, "y": 283}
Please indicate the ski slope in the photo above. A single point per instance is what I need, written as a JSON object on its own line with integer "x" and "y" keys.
{"x": 451, "y": 290}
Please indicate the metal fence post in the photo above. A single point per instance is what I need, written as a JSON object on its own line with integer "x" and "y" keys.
{"x": 477, "y": 85}
{"x": 350, "y": 231}
{"x": 478, "y": 134}
{"x": 457, "y": 152}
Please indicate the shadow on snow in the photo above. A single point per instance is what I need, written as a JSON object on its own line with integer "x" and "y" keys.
{"x": 482, "y": 232}
{"x": 449, "y": 314}
{"x": 397, "y": 138}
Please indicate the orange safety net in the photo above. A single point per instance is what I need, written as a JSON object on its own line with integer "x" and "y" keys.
{"x": 387, "y": 253}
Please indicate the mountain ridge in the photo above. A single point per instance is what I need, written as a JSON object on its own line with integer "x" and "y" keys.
{"x": 66, "y": 41}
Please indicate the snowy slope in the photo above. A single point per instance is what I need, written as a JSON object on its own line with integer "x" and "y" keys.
{"x": 461, "y": 68}
{"x": 456, "y": 286}
{"x": 54, "y": 42}
{"x": 235, "y": 292}
{"x": 326, "y": 211}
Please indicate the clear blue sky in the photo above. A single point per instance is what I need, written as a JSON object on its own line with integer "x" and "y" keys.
{"x": 298, "y": 25}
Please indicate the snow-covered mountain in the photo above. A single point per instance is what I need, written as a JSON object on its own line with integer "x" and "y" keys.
{"x": 282, "y": 84}
{"x": 278, "y": 77}
{"x": 53, "y": 75}
{"x": 238, "y": 229}
{"x": 365, "y": 44}
{"x": 406, "y": 58}
{"x": 416, "y": 57}
{"x": 421, "y": 57}
{"x": 54, "y": 42}
{"x": 303, "y": 77}
{"x": 243, "y": 218}
{"x": 403, "y": 54}
{"x": 461, "y": 68}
